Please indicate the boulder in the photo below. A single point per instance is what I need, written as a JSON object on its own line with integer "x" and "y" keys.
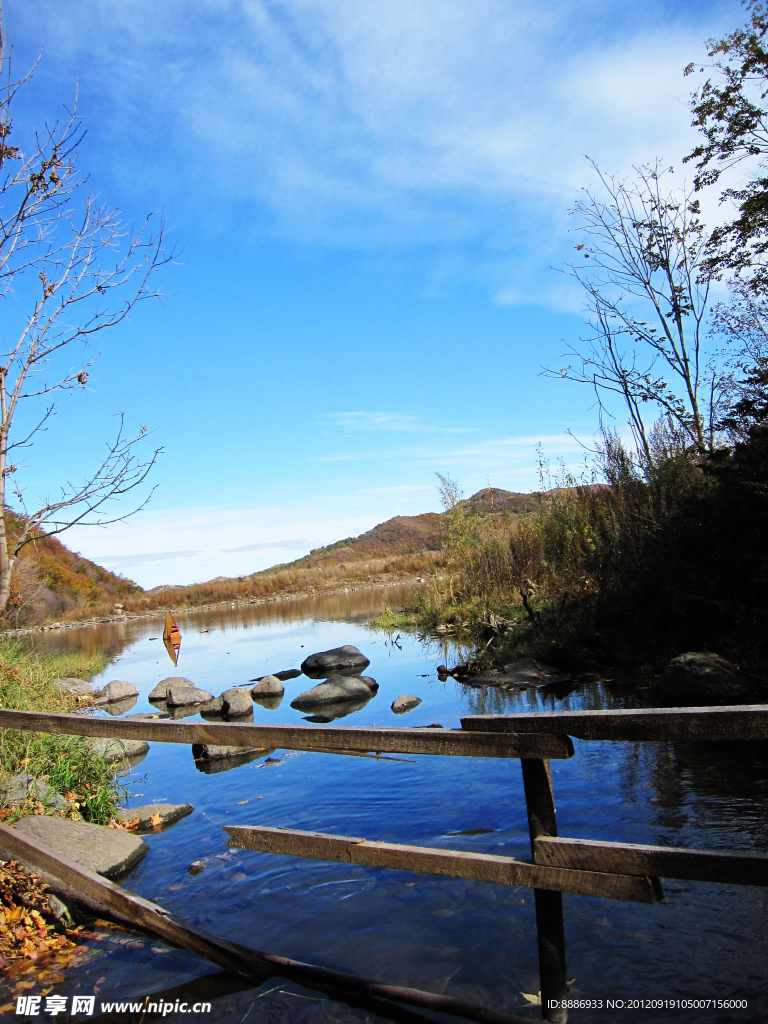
{"x": 404, "y": 703}
{"x": 160, "y": 690}
{"x": 325, "y": 662}
{"x": 118, "y": 689}
{"x": 77, "y": 687}
{"x": 182, "y": 696}
{"x": 268, "y": 686}
{"x": 106, "y": 851}
{"x": 700, "y": 676}
{"x": 336, "y": 688}
{"x": 127, "y": 752}
{"x": 14, "y": 791}
{"x": 168, "y": 813}
{"x": 237, "y": 701}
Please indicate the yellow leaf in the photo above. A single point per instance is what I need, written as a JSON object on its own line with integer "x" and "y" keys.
{"x": 155, "y": 820}
{"x": 536, "y": 1000}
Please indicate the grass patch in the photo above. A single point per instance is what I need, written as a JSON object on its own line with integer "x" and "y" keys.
{"x": 66, "y": 763}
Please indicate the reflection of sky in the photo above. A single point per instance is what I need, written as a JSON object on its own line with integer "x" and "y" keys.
{"x": 413, "y": 929}
{"x": 366, "y": 202}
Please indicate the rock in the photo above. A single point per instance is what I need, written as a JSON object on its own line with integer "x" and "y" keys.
{"x": 237, "y": 701}
{"x": 336, "y": 688}
{"x": 287, "y": 673}
{"x": 14, "y": 791}
{"x": 118, "y": 689}
{"x": 78, "y": 687}
{"x": 269, "y": 703}
{"x": 700, "y": 676}
{"x": 176, "y": 713}
{"x": 523, "y": 672}
{"x": 404, "y": 703}
{"x": 119, "y": 707}
{"x": 128, "y": 752}
{"x": 160, "y": 690}
{"x": 196, "y": 867}
{"x": 268, "y": 686}
{"x": 442, "y": 671}
{"x": 325, "y": 662}
{"x": 106, "y": 851}
{"x": 59, "y": 909}
{"x": 183, "y": 696}
{"x": 169, "y": 813}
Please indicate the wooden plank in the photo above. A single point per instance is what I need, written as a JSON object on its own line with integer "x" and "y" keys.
{"x": 481, "y": 867}
{"x": 550, "y": 933}
{"x": 233, "y": 957}
{"x": 729, "y": 867}
{"x": 743, "y": 722}
{"x": 329, "y": 739}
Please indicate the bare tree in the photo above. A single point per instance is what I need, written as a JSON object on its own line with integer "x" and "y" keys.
{"x": 81, "y": 272}
{"x": 647, "y": 302}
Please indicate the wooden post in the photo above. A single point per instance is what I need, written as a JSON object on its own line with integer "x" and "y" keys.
{"x": 540, "y": 804}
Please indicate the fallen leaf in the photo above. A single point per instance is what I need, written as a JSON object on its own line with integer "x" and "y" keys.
{"x": 536, "y": 1000}
{"x": 241, "y": 802}
{"x": 156, "y": 820}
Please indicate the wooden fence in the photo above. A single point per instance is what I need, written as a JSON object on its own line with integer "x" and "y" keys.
{"x": 621, "y": 871}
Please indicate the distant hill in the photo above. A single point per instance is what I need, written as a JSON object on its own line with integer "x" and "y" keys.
{"x": 53, "y": 582}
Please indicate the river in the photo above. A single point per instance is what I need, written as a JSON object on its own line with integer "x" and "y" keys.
{"x": 472, "y": 940}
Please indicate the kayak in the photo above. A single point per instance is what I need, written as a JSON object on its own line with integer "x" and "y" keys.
{"x": 172, "y": 638}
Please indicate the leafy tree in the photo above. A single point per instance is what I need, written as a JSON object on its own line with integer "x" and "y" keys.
{"x": 731, "y": 111}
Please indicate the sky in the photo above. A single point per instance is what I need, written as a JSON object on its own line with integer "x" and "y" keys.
{"x": 368, "y": 211}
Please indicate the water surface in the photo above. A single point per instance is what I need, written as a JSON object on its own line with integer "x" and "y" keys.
{"x": 469, "y": 939}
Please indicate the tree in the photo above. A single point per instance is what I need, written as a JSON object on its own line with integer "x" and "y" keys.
{"x": 646, "y": 297}
{"x": 732, "y": 114}
{"x": 81, "y": 272}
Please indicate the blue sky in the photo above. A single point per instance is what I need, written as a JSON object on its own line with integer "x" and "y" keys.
{"x": 366, "y": 201}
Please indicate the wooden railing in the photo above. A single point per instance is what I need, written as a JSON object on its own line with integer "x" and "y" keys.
{"x": 621, "y": 871}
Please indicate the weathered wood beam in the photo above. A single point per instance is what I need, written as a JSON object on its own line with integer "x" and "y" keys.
{"x": 663, "y": 861}
{"x": 426, "y": 860}
{"x": 550, "y": 932}
{"x": 237, "y": 959}
{"x": 329, "y": 739}
{"x": 742, "y": 722}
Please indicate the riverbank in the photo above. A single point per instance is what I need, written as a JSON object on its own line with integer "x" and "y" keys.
{"x": 71, "y": 780}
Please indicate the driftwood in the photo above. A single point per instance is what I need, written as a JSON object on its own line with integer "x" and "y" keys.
{"x": 740, "y": 722}
{"x": 665, "y": 862}
{"x": 453, "y": 742}
{"x": 237, "y": 959}
{"x": 480, "y": 867}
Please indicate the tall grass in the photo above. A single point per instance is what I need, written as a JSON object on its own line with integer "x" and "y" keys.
{"x": 66, "y": 763}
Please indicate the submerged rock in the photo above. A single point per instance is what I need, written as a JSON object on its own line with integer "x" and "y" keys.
{"x": 700, "y": 676}
{"x": 325, "y": 662}
{"x": 336, "y": 688}
{"x": 160, "y": 690}
{"x": 169, "y": 814}
{"x": 404, "y": 703}
{"x": 14, "y": 791}
{"x": 118, "y": 689}
{"x": 523, "y": 672}
{"x": 107, "y": 851}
